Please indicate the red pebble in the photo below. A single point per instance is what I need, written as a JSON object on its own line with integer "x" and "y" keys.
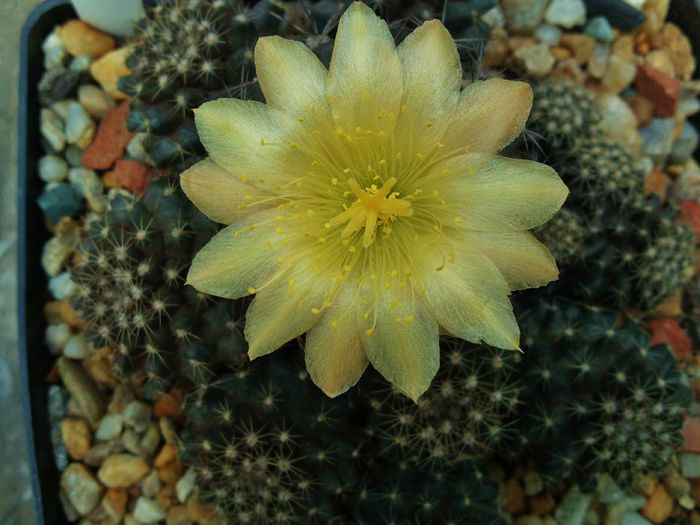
{"x": 110, "y": 141}
{"x": 691, "y": 434}
{"x": 132, "y": 175}
{"x": 661, "y": 89}
{"x": 690, "y": 215}
{"x": 668, "y": 330}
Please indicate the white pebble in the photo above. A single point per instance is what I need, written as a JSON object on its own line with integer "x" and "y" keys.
{"x": 52, "y": 168}
{"x": 110, "y": 427}
{"x": 57, "y": 336}
{"x": 148, "y": 510}
{"x": 61, "y": 286}
{"x": 80, "y": 128}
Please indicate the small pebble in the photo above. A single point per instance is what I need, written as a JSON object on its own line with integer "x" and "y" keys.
{"x": 523, "y": 16}
{"x": 80, "y": 38}
{"x": 54, "y": 52}
{"x": 185, "y": 485}
{"x": 74, "y": 156}
{"x": 59, "y": 201}
{"x": 80, "y": 64}
{"x": 658, "y": 138}
{"x": 137, "y": 415}
{"x": 685, "y": 145}
{"x": 57, "y": 84}
{"x": 619, "y": 74}
{"x": 95, "y": 100}
{"x": 51, "y": 127}
{"x": 131, "y": 441}
{"x": 90, "y": 185}
{"x": 76, "y": 347}
{"x": 81, "y": 488}
{"x": 598, "y": 62}
{"x": 80, "y": 128}
{"x": 82, "y": 389}
{"x": 548, "y": 34}
{"x": 61, "y": 286}
{"x": 690, "y": 464}
{"x": 122, "y": 470}
{"x": 52, "y": 168}
{"x": 148, "y": 511}
{"x": 110, "y": 427}
{"x": 136, "y": 147}
{"x": 600, "y": 29}
{"x": 60, "y": 246}
{"x": 632, "y": 518}
{"x": 536, "y": 60}
{"x": 57, "y": 337}
{"x": 150, "y": 440}
{"x": 573, "y": 507}
{"x": 151, "y": 484}
{"x": 566, "y": 13}
{"x": 77, "y": 437}
{"x": 109, "y": 69}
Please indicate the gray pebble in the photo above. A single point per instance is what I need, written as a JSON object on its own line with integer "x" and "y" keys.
{"x": 56, "y": 337}
{"x": 185, "y": 485}
{"x": 151, "y": 484}
{"x": 600, "y": 29}
{"x": 148, "y": 510}
{"x": 684, "y": 147}
{"x": 548, "y": 34}
{"x": 51, "y": 127}
{"x": 690, "y": 464}
{"x": 573, "y": 507}
{"x": 137, "y": 415}
{"x": 80, "y": 64}
{"x": 52, "y": 168}
{"x": 150, "y": 440}
{"x": 76, "y": 347}
{"x": 523, "y": 16}
{"x": 136, "y": 147}
{"x": 566, "y": 13}
{"x": 61, "y": 286}
{"x": 80, "y": 128}
{"x": 54, "y": 52}
{"x": 110, "y": 427}
{"x": 74, "y": 156}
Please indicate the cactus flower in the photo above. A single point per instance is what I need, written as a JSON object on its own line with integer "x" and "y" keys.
{"x": 366, "y": 204}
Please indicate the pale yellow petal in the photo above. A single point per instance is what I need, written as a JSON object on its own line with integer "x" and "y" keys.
{"x": 292, "y": 78}
{"x": 335, "y": 356}
{"x": 495, "y": 193}
{"x": 285, "y": 308}
{"x": 251, "y": 140}
{"x": 523, "y": 260}
{"x": 236, "y": 259}
{"x": 432, "y": 76}
{"x": 402, "y": 342}
{"x": 364, "y": 84}
{"x": 221, "y": 195}
{"x": 490, "y": 115}
{"x": 467, "y": 294}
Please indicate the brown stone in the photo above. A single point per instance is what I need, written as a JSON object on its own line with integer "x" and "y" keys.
{"x": 542, "y": 504}
{"x": 122, "y": 470}
{"x": 623, "y": 46}
{"x": 659, "y": 505}
{"x": 618, "y": 74}
{"x": 497, "y": 49}
{"x": 580, "y": 45}
{"x": 662, "y": 90}
{"x": 167, "y": 454}
{"x": 514, "y": 500}
{"x": 80, "y": 38}
{"x": 178, "y": 515}
{"x": 166, "y": 496}
{"x": 169, "y": 404}
{"x": 83, "y": 390}
{"x": 691, "y": 434}
{"x": 111, "y": 140}
{"x": 695, "y": 489}
{"x": 204, "y": 513}
{"x": 669, "y": 331}
{"x": 171, "y": 472}
{"x": 680, "y": 50}
{"x": 77, "y": 437}
{"x": 690, "y": 215}
{"x": 560, "y": 53}
{"x": 642, "y": 107}
{"x": 671, "y": 307}
{"x": 109, "y": 69}
{"x": 656, "y": 182}
{"x": 132, "y": 175}
{"x": 98, "y": 366}
{"x": 109, "y": 179}
{"x": 114, "y": 503}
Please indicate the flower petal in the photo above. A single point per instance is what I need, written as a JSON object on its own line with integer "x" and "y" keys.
{"x": 335, "y": 357}
{"x": 364, "y": 85}
{"x": 249, "y": 138}
{"x": 494, "y": 193}
{"x": 523, "y": 260}
{"x": 285, "y": 308}
{"x": 467, "y": 294}
{"x": 432, "y": 76}
{"x": 490, "y": 115}
{"x": 291, "y": 76}
{"x": 219, "y": 194}
{"x": 403, "y": 343}
{"x": 235, "y": 259}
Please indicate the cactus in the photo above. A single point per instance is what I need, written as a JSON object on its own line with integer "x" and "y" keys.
{"x": 597, "y": 396}
{"x": 129, "y": 288}
{"x": 466, "y": 413}
{"x": 616, "y": 247}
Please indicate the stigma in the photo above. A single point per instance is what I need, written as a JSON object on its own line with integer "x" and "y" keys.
{"x": 374, "y": 207}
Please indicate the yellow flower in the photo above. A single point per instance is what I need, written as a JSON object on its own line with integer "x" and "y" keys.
{"x": 366, "y": 205}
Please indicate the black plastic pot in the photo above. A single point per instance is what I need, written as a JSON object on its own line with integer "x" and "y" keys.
{"x": 35, "y": 359}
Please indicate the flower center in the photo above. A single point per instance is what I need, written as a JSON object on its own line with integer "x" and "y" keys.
{"x": 373, "y": 207}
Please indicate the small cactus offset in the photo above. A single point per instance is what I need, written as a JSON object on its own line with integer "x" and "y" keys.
{"x": 466, "y": 413}
{"x": 129, "y": 288}
{"x": 597, "y": 396}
